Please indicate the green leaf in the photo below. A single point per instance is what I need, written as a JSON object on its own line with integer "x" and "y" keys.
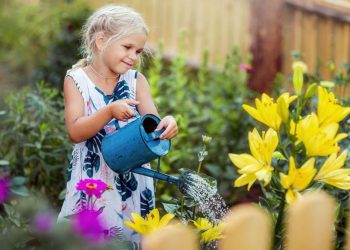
{"x": 4, "y": 163}
{"x": 311, "y": 90}
{"x": 18, "y": 181}
{"x": 62, "y": 194}
{"x": 170, "y": 207}
{"x": 9, "y": 209}
{"x": 213, "y": 169}
{"x": 20, "y": 190}
{"x": 278, "y": 155}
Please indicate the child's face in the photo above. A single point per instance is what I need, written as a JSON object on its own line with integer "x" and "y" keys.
{"x": 122, "y": 54}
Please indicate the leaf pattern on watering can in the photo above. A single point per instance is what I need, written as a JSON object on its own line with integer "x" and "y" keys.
{"x": 146, "y": 200}
{"x": 125, "y": 184}
{"x": 91, "y": 163}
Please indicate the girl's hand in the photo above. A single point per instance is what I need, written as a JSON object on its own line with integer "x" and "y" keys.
{"x": 121, "y": 109}
{"x": 170, "y": 125}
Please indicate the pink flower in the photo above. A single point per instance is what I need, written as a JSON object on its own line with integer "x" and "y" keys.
{"x": 88, "y": 225}
{"x": 43, "y": 222}
{"x": 92, "y": 187}
{"x": 246, "y": 68}
{"x": 4, "y": 189}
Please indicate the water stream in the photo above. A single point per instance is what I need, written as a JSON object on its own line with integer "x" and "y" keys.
{"x": 204, "y": 192}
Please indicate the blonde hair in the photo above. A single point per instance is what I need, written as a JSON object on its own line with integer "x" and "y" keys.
{"x": 116, "y": 22}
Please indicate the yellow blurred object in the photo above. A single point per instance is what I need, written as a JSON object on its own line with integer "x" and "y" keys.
{"x": 347, "y": 239}
{"x": 310, "y": 222}
{"x": 171, "y": 237}
{"x": 300, "y": 64}
{"x": 247, "y": 227}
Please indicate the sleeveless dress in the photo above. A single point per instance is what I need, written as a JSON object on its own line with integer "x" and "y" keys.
{"x": 131, "y": 192}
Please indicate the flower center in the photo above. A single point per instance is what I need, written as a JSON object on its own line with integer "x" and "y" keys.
{"x": 91, "y": 185}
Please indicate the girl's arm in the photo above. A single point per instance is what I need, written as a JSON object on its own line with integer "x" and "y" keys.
{"x": 81, "y": 127}
{"x": 146, "y": 106}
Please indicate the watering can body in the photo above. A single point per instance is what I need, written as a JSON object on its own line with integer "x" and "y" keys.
{"x": 135, "y": 144}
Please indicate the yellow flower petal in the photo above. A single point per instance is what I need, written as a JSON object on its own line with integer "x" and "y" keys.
{"x": 211, "y": 234}
{"x": 165, "y": 220}
{"x": 202, "y": 224}
{"x": 332, "y": 163}
{"x": 243, "y": 160}
{"x": 305, "y": 175}
{"x": 290, "y": 196}
{"x": 328, "y": 110}
{"x": 245, "y": 179}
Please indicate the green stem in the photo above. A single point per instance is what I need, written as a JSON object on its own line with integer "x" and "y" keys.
{"x": 182, "y": 207}
{"x": 201, "y": 160}
{"x": 263, "y": 189}
{"x": 278, "y": 228}
{"x": 199, "y": 167}
{"x": 194, "y": 207}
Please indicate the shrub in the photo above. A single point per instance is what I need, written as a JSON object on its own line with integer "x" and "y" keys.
{"x": 33, "y": 138}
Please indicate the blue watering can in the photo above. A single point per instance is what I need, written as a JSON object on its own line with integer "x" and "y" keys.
{"x": 137, "y": 143}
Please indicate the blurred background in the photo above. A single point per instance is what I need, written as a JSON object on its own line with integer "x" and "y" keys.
{"x": 209, "y": 57}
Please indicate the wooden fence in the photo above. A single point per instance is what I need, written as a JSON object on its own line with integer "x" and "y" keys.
{"x": 267, "y": 30}
{"x": 321, "y": 32}
{"x": 195, "y": 25}
{"x": 309, "y": 226}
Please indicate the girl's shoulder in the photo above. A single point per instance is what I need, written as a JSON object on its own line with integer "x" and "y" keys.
{"x": 73, "y": 72}
{"x": 80, "y": 80}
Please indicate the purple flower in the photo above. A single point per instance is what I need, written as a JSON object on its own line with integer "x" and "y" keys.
{"x": 246, "y": 68}
{"x": 92, "y": 187}
{"x": 43, "y": 222}
{"x": 4, "y": 189}
{"x": 88, "y": 225}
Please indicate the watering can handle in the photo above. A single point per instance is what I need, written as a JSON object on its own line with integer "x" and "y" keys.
{"x": 136, "y": 113}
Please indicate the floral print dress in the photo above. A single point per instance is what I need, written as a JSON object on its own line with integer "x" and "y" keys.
{"x": 130, "y": 192}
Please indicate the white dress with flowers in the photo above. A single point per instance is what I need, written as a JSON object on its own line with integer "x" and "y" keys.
{"x": 130, "y": 192}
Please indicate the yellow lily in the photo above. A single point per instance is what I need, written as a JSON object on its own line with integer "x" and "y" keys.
{"x": 209, "y": 231}
{"x": 214, "y": 233}
{"x": 258, "y": 164}
{"x": 269, "y": 112}
{"x": 332, "y": 174}
{"x": 150, "y": 224}
{"x": 318, "y": 141}
{"x": 298, "y": 178}
{"x": 328, "y": 109}
{"x": 202, "y": 224}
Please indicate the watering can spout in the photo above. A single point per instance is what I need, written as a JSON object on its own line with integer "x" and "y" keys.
{"x": 156, "y": 175}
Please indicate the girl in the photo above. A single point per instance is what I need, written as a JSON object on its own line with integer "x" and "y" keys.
{"x": 102, "y": 92}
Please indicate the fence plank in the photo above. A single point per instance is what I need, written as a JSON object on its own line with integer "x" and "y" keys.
{"x": 247, "y": 227}
{"x": 309, "y": 40}
{"x": 172, "y": 237}
{"x": 325, "y": 48}
{"x": 310, "y": 222}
